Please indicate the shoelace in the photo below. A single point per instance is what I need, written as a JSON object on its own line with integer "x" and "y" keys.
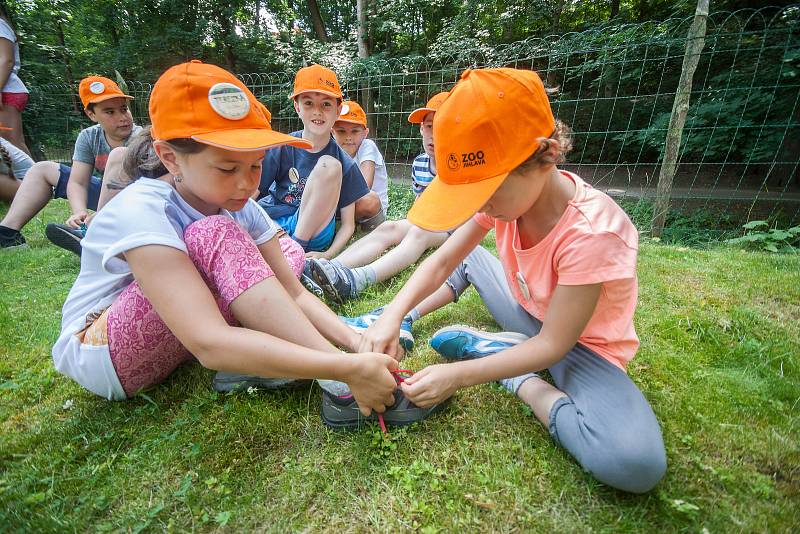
{"x": 399, "y": 378}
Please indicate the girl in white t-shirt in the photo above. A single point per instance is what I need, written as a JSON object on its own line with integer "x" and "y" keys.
{"x": 13, "y": 93}
{"x": 186, "y": 265}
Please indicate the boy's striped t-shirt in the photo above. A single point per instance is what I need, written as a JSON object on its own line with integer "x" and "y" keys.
{"x": 421, "y": 175}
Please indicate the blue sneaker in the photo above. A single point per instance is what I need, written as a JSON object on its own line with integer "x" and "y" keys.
{"x": 362, "y": 322}
{"x": 460, "y": 342}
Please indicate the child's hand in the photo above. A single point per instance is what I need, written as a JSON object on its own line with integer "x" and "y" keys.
{"x": 382, "y": 336}
{"x": 432, "y": 385}
{"x": 76, "y": 219}
{"x": 372, "y": 383}
{"x": 316, "y": 255}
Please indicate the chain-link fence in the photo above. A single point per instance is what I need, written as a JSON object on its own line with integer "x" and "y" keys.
{"x": 741, "y": 143}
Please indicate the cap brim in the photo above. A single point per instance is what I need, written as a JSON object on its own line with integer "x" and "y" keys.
{"x": 444, "y": 207}
{"x": 351, "y": 122}
{"x": 249, "y": 139}
{"x": 103, "y": 98}
{"x": 5, "y": 129}
{"x": 329, "y": 93}
{"x": 418, "y": 115}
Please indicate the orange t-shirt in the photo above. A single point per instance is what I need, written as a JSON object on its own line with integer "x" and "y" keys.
{"x": 593, "y": 242}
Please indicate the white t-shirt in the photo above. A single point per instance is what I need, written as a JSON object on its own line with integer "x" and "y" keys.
{"x": 14, "y": 84}
{"x": 368, "y": 151}
{"x": 20, "y": 161}
{"x": 148, "y": 212}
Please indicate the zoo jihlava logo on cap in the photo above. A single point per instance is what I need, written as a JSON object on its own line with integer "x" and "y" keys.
{"x": 97, "y": 88}
{"x": 345, "y": 110}
{"x": 452, "y": 162}
{"x": 229, "y": 101}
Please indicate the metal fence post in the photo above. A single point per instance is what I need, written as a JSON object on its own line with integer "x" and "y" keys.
{"x": 680, "y": 107}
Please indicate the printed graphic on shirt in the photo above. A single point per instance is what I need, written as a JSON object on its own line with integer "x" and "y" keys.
{"x": 295, "y": 191}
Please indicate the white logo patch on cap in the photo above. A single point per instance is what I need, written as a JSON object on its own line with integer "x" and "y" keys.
{"x": 229, "y": 101}
{"x": 345, "y": 110}
{"x": 97, "y": 88}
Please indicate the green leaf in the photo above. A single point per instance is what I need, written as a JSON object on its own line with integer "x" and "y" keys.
{"x": 754, "y": 224}
{"x": 222, "y": 518}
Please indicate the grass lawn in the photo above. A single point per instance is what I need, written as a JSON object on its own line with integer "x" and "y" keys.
{"x": 720, "y": 332}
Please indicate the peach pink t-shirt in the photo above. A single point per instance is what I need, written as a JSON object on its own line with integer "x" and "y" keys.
{"x": 593, "y": 242}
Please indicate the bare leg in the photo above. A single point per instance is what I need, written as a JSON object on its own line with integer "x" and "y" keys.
{"x": 369, "y": 247}
{"x": 415, "y": 243}
{"x": 10, "y": 117}
{"x": 367, "y": 206}
{"x": 8, "y": 187}
{"x": 320, "y": 198}
{"x": 33, "y": 194}
{"x": 540, "y": 396}
{"x": 439, "y": 298}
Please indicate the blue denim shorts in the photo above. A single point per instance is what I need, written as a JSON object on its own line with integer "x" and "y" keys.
{"x": 61, "y": 188}
{"x": 319, "y": 242}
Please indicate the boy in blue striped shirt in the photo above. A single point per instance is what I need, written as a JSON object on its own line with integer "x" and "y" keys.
{"x": 357, "y": 268}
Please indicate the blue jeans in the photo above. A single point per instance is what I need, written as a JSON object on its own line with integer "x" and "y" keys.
{"x": 60, "y": 190}
{"x": 604, "y": 421}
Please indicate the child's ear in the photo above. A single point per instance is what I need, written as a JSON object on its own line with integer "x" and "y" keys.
{"x": 91, "y": 114}
{"x": 366, "y": 132}
{"x": 168, "y": 157}
{"x": 296, "y": 105}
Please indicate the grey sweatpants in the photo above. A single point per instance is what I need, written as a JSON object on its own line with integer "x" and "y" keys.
{"x": 604, "y": 421}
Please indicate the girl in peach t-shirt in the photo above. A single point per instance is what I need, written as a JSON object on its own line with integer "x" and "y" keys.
{"x": 564, "y": 288}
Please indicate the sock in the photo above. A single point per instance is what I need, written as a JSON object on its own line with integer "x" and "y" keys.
{"x": 364, "y": 277}
{"x": 8, "y": 232}
{"x": 413, "y": 315}
{"x": 513, "y": 384}
{"x": 302, "y": 242}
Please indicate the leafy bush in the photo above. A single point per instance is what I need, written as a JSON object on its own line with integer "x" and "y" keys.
{"x": 758, "y": 235}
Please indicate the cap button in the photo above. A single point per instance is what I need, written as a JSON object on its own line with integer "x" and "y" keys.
{"x": 501, "y": 94}
{"x": 195, "y": 61}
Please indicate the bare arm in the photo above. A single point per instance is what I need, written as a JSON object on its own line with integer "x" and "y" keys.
{"x": 115, "y": 179}
{"x": 570, "y": 310}
{"x": 317, "y": 312}
{"x": 78, "y": 192}
{"x": 6, "y": 60}
{"x": 345, "y": 232}
{"x": 368, "y": 171}
{"x": 429, "y": 276}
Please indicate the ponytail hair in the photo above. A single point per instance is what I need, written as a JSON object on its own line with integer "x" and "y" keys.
{"x": 141, "y": 159}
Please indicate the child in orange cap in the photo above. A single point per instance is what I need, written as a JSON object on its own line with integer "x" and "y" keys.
{"x": 350, "y": 132}
{"x": 106, "y": 105}
{"x": 304, "y": 189}
{"x": 564, "y": 288}
{"x": 361, "y": 264}
{"x": 187, "y": 265}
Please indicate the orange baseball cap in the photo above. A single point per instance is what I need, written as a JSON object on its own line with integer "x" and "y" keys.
{"x": 318, "y": 79}
{"x": 210, "y": 105}
{"x": 487, "y": 127}
{"x": 352, "y": 112}
{"x": 94, "y": 89}
{"x": 418, "y": 115}
{"x": 5, "y": 128}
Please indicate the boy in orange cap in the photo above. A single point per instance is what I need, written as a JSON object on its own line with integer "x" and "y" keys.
{"x": 564, "y": 288}
{"x": 350, "y": 132}
{"x": 361, "y": 264}
{"x": 303, "y": 190}
{"x": 106, "y": 105}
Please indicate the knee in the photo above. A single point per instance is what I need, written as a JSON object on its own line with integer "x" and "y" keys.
{"x": 328, "y": 169}
{"x": 294, "y": 254}
{"x": 44, "y": 171}
{"x": 635, "y": 467}
{"x": 368, "y": 206}
{"x": 419, "y": 235}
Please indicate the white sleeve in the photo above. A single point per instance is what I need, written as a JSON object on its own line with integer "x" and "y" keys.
{"x": 255, "y": 220}
{"x": 368, "y": 151}
{"x": 6, "y": 32}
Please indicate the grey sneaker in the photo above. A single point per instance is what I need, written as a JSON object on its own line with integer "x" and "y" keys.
{"x": 368, "y": 225}
{"x": 338, "y": 283}
{"x": 342, "y": 413}
{"x": 65, "y": 237}
{"x": 224, "y": 382}
{"x": 309, "y": 283}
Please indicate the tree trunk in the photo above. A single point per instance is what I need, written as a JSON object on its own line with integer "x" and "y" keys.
{"x": 363, "y": 32}
{"x": 316, "y": 20}
{"x": 557, "y": 16}
{"x": 67, "y": 67}
{"x": 695, "y": 41}
{"x": 614, "y": 9}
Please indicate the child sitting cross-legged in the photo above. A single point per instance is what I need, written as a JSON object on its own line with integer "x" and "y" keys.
{"x": 364, "y": 263}
{"x": 184, "y": 265}
{"x": 564, "y": 288}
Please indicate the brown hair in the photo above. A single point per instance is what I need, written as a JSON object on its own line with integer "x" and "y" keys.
{"x": 141, "y": 158}
{"x": 552, "y": 150}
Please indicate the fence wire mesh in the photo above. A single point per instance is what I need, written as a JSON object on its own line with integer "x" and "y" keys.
{"x": 740, "y": 152}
